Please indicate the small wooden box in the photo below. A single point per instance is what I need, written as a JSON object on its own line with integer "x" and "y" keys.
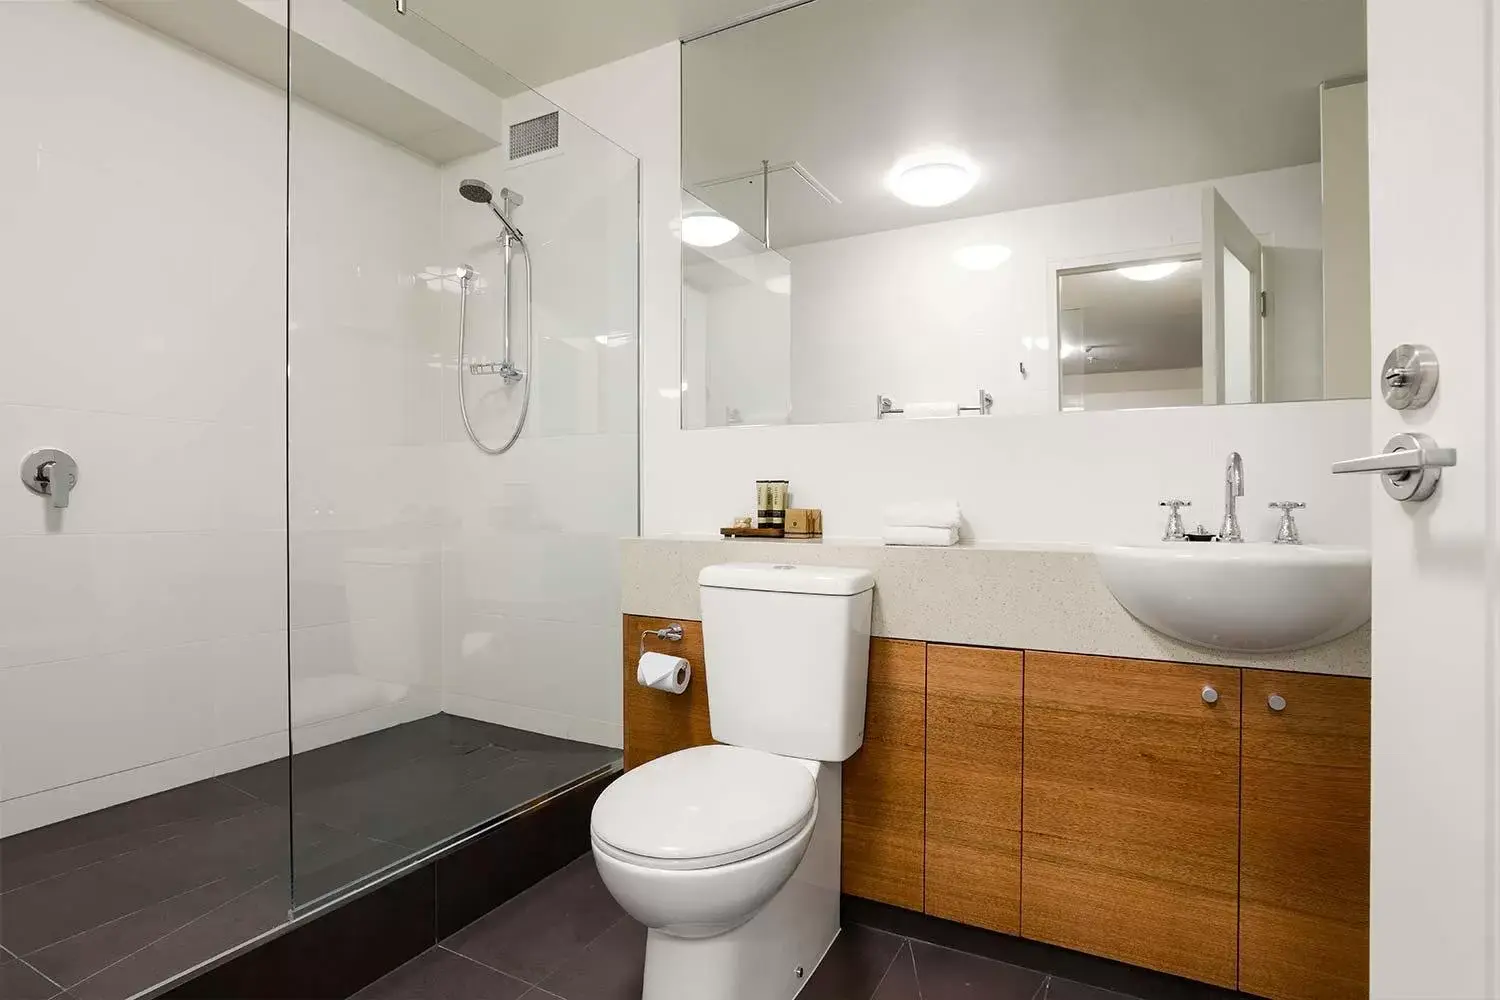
{"x": 803, "y": 522}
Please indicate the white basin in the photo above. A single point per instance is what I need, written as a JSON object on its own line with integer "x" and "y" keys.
{"x": 1242, "y": 598}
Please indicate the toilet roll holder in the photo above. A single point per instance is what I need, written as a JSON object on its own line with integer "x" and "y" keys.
{"x": 672, "y": 633}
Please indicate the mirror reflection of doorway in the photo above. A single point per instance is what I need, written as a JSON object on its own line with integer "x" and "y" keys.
{"x": 1131, "y": 335}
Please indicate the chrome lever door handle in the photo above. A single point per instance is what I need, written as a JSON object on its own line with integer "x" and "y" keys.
{"x": 1400, "y": 460}
{"x": 1411, "y": 464}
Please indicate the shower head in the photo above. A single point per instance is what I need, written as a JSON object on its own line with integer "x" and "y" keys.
{"x": 476, "y": 191}
{"x": 481, "y": 193}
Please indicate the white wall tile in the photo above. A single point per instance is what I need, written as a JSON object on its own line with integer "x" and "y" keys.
{"x": 72, "y": 720}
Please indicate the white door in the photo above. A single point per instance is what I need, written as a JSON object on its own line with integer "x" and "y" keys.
{"x": 1434, "y": 865}
{"x": 1231, "y": 304}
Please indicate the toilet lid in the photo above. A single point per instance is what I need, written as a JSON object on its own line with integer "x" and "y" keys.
{"x": 705, "y": 806}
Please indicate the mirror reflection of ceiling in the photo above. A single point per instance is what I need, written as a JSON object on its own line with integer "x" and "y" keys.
{"x": 1053, "y": 100}
{"x": 540, "y": 41}
{"x": 1108, "y": 323}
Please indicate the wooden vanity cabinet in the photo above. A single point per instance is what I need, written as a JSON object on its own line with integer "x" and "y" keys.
{"x": 1224, "y": 839}
{"x": 1305, "y": 837}
{"x": 884, "y": 781}
{"x": 974, "y": 786}
{"x": 1130, "y": 801}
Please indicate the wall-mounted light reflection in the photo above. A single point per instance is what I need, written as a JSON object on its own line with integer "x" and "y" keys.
{"x": 781, "y": 284}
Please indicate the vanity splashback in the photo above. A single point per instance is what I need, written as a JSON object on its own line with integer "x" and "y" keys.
{"x": 1014, "y": 596}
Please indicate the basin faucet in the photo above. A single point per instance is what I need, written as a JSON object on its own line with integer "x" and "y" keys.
{"x": 1234, "y": 486}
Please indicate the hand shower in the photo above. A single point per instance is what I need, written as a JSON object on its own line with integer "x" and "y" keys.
{"x": 481, "y": 193}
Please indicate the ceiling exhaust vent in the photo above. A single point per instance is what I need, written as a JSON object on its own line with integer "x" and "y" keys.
{"x": 535, "y": 135}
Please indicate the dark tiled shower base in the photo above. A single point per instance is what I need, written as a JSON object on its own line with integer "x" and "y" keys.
{"x": 107, "y": 904}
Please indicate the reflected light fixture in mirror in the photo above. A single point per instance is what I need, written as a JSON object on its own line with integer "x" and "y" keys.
{"x": 981, "y": 257}
{"x": 933, "y": 178}
{"x": 708, "y": 229}
{"x": 1150, "y": 272}
{"x": 781, "y": 284}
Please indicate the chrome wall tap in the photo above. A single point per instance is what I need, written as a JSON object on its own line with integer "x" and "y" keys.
{"x": 1234, "y": 487}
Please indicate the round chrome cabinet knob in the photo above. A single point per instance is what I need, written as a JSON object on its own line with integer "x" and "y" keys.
{"x": 1210, "y": 696}
{"x": 1276, "y": 703}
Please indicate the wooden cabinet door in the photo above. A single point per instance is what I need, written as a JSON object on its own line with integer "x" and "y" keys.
{"x": 1305, "y": 837}
{"x": 1130, "y": 798}
{"x": 974, "y": 786}
{"x": 658, "y": 722}
{"x": 884, "y": 780}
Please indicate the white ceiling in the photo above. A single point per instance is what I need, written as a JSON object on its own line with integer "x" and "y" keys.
{"x": 539, "y": 41}
{"x": 1056, "y": 100}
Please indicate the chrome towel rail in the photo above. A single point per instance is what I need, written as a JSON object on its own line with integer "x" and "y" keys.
{"x": 884, "y": 406}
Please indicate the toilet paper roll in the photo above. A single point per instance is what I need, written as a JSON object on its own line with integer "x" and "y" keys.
{"x": 663, "y": 672}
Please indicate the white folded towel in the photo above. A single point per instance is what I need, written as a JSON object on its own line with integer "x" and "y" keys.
{"x": 924, "y": 514}
{"x": 919, "y": 535}
{"x": 937, "y": 408}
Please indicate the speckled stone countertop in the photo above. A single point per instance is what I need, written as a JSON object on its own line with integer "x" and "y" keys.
{"x": 1015, "y": 596}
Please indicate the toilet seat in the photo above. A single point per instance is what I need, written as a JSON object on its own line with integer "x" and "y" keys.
{"x": 705, "y": 807}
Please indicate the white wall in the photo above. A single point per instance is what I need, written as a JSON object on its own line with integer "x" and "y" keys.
{"x": 893, "y": 313}
{"x": 142, "y": 632}
{"x": 1054, "y": 477}
{"x": 145, "y": 630}
{"x": 1127, "y": 390}
{"x": 531, "y": 579}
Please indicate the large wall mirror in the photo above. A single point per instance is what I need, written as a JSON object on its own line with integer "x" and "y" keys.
{"x": 983, "y": 207}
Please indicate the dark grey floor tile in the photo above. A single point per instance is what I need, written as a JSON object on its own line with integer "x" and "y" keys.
{"x": 228, "y": 926}
{"x": 545, "y": 927}
{"x": 196, "y": 801}
{"x": 1067, "y": 989}
{"x": 854, "y": 966}
{"x": 371, "y": 754}
{"x": 47, "y": 912}
{"x": 520, "y": 739}
{"x": 19, "y": 981}
{"x": 944, "y": 974}
{"x": 611, "y": 968}
{"x": 439, "y": 974}
{"x": 340, "y": 859}
{"x": 900, "y": 980}
{"x": 502, "y": 790}
{"x": 19, "y": 869}
{"x": 269, "y": 782}
{"x": 392, "y": 804}
{"x": 75, "y": 959}
{"x": 209, "y": 849}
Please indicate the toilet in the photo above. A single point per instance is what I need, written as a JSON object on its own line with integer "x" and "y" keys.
{"x": 729, "y": 853}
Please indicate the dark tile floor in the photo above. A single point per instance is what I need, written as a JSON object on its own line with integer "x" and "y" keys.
{"x": 567, "y": 939}
{"x": 104, "y": 905}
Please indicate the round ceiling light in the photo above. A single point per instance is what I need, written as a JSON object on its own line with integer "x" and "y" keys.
{"x": 708, "y": 229}
{"x": 1150, "y": 272}
{"x": 981, "y": 257}
{"x": 928, "y": 180}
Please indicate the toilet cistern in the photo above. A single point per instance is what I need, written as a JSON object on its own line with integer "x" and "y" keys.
{"x": 1234, "y": 486}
